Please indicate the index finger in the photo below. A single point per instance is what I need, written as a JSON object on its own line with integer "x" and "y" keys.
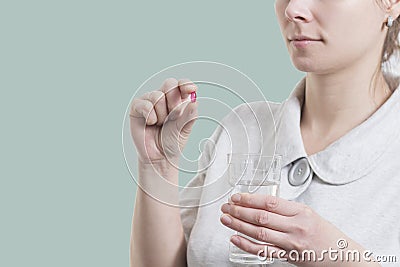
{"x": 267, "y": 202}
{"x": 186, "y": 87}
{"x": 171, "y": 90}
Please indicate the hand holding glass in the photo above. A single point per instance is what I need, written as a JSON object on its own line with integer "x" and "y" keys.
{"x": 253, "y": 174}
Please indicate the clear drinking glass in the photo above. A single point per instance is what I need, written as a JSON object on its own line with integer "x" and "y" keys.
{"x": 254, "y": 174}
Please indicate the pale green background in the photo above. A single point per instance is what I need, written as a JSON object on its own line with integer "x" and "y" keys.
{"x": 68, "y": 71}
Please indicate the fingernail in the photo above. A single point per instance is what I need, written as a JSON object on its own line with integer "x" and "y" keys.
{"x": 226, "y": 220}
{"x": 226, "y": 208}
{"x": 235, "y": 198}
{"x": 193, "y": 97}
{"x": 235, "y": 240}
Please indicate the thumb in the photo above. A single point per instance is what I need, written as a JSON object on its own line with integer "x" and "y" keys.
{"x": 188, "y": 118}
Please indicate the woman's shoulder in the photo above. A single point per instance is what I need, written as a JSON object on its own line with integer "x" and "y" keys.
{"x": 257, "y": 112}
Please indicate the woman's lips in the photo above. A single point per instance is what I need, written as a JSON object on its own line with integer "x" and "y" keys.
{"x": 304, "y": 43}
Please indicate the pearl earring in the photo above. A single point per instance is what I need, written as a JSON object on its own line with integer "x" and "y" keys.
{"x": 390, "y": 21}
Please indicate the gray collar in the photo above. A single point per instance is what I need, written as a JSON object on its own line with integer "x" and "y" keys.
{"x": 352, "y": 156}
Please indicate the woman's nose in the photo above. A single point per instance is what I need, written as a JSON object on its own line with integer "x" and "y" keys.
{"x": 299, "y": 11}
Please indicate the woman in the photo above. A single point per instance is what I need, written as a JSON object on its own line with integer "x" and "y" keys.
{"x": 341, "y": 124}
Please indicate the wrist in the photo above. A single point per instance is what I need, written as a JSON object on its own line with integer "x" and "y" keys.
{"x": 159, "y": 180}
{"x": 163, "y": 166}
{"x": 158, "y": 170}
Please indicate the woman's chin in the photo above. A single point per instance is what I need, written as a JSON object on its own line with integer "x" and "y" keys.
{"x": 305, "y": 66}
{"x": 309, "y": 65}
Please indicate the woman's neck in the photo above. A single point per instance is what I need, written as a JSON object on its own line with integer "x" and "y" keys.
{"x": 336, "y": 103}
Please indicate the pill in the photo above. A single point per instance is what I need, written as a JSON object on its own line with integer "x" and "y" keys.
{"x": 193, "y": 96}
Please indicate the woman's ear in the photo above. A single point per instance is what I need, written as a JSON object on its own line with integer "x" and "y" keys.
{"x": 394, "y": 8}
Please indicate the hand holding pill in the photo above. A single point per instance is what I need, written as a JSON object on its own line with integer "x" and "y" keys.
{"x": 161, "y": 120}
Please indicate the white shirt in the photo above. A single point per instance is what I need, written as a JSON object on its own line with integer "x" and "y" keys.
{"x": 354, "y": 183}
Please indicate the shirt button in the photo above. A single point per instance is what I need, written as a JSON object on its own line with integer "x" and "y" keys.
{"x": 300, "y": 172}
